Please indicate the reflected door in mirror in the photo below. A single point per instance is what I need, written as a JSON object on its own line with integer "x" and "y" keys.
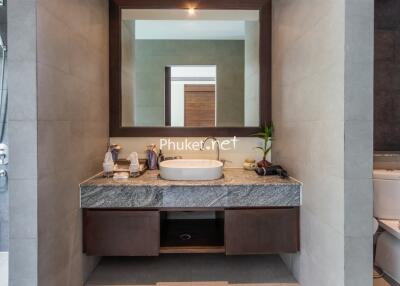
{"x": 199, "y": 105}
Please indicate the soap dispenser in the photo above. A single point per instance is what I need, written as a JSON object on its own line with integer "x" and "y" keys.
{"x": 151, "y": 157}
{"x": 108, "y": 164}
{"x": 134, "y": 166}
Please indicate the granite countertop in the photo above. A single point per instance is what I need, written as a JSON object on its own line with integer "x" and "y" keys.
{"x": 238, "y": 188}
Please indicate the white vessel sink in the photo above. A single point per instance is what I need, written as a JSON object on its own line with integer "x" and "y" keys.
{"x": 191, "y": 169}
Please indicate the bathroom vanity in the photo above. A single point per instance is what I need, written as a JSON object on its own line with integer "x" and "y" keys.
{"x": 239, "y": 214}
{"x": 191, "y": 87}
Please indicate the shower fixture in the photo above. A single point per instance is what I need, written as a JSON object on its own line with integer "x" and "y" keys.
{"x": 2, "y": 45}
{"x": 3, "y": 92}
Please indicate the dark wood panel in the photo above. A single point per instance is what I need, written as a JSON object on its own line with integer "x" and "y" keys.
{"x": 200, "y": 88}
{"x": 203, "y": 232}
{"x": 198, "y": 4}
{"x": 116, "y": 128}
{"x": 265, "y": 63}
{"x": 121, "y": 233}
{"x": 167, "y": 91}
{"x": 115, "y": 90}
{"x": 183, "y": 131}
{"x": 192, "y": 249}
{"x": 261, "y": 231}
{"x": 199, "y": 105}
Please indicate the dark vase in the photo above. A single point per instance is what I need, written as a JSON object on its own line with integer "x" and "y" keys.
{"x": 264, "y": 164}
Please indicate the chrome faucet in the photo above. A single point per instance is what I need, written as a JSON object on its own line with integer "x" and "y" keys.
{"x": 210, "y": 138}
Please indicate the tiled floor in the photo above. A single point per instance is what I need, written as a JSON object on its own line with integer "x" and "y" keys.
{"x": 193, "y": 270}
{"x": 3, "y": 268}
{"x": 385, "y": 282}
{"x": 380, "y": 282}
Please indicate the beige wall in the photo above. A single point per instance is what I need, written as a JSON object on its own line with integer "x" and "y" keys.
{"x": 72, "y": 70}
{"x": 245, "y": 148}
{"x": 322, "y": 109}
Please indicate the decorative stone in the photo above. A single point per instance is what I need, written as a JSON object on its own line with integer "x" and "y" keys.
{"x": 238, "y": 188}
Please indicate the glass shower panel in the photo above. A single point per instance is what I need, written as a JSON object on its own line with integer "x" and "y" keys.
{"x": 4, "y": 194}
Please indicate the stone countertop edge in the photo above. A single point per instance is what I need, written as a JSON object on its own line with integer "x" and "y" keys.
{"x": 238, "y": 188}
{"x": 232, "y": 176}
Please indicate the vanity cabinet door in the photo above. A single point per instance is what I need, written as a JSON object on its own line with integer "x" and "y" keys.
{"x": 261, "y": 231}
{"x": 121, "y": 233}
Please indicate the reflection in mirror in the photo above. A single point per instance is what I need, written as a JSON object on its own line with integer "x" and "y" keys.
{"x": 190, "y": 70}
{"x": 190, "y": 95}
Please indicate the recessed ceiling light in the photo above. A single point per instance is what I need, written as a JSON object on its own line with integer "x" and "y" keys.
{"x": 191, "y": 11}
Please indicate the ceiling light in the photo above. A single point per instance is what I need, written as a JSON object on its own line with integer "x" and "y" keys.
{"x": 191, "y": 11}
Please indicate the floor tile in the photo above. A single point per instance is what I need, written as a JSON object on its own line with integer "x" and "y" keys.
{"x": 192, "y": 270}
{"x": 385, "y": 281}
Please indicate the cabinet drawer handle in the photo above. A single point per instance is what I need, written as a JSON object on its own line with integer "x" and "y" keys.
{"x": 185, "y": 236}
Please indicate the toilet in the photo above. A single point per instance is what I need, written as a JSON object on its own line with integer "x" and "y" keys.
{"x": 387, "y": 212}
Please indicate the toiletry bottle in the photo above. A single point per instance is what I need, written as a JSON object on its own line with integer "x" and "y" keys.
{"x": 108, "y": 165}
{"x": 151, "y": 157}
{"x": 134, "y": 166}
{"x": 115, "y": 149}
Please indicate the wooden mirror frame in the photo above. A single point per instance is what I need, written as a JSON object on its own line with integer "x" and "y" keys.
{"x": 116, "y": 128}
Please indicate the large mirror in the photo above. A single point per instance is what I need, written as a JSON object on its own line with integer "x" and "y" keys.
{"x": 190, "y": 68}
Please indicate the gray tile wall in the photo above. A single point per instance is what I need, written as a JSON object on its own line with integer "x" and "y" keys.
{"x": 322, "y": 110}
{"x": 22, "y": 115}
{"x": 251, "y": 74}
{"x": 387, "y": 76}
{"x": 72, "y": 84}
{"x": 358, "y": 141}
{"x": 151, "y": 58}
{"x": 128, "y": 72}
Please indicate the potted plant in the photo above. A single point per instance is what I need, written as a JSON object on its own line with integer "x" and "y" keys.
{"x": 266, "y": 134}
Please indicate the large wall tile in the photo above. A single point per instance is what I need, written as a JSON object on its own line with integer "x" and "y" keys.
{"x": 384, "y": 45}
{"x": 358, "y": 208}
{"x": 23, "y": 150}
{"x": 358, "y": 264}
{"x": 21, "y": 81}
{"x": 23, "y": 199}
{"x": 21, "y": 30}
{"x": 54, "y": 43}
{"x": 72, "y": 129}
{"x": 23, "y": 261}
{"x": 56, "y": 91}
{"x": 22, "y": 116}
{"x": 387, "y": 76}
{"x": 386, "y": 15}
{"x": 358, "y": 149}
{"x": 322, "y": 110}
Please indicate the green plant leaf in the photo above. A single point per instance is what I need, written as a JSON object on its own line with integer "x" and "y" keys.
{"x": 267, "y": 136}
{"x": 258, "y": 134}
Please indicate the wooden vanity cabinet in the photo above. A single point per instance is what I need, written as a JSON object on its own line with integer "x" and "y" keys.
{"x": 261, "y": 231}
{"x": 233, "y": 232}
{"x": 121, "y": 233}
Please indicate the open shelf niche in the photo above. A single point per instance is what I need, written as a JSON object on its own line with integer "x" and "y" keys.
{"x": 192, "y": 232}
